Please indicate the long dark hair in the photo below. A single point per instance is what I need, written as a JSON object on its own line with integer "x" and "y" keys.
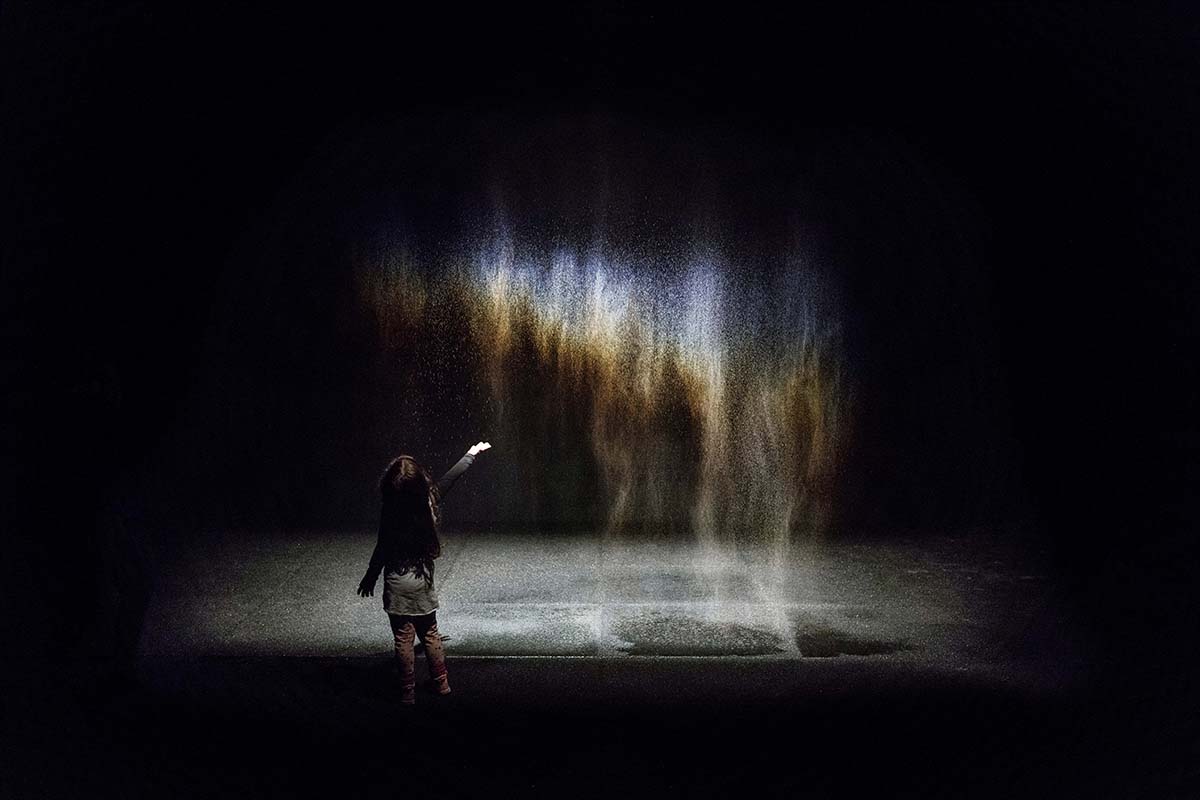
{"x": 410, "y": 517}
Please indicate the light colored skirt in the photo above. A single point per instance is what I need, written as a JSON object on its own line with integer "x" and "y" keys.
{"x": 407, "y": 594}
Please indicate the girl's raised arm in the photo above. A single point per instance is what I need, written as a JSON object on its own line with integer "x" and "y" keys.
{"x": 448, "y": 480}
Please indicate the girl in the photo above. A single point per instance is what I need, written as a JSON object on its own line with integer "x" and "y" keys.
{"x": 406, "y": 547}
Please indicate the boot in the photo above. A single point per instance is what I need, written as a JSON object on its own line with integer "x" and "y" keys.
{"x": 406, "y": 663}
{"x": 435, "y": 654}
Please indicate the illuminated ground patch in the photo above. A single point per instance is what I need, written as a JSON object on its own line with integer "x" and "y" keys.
{"x": 657, "y": 633}
{"x": 945, "y": 603}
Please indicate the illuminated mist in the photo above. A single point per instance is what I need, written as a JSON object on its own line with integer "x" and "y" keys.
{"x": 697, "y": 400}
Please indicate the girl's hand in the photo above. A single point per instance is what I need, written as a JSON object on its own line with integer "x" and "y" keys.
{"x": 366, "y": 587}
{"x": 476, "y": 449}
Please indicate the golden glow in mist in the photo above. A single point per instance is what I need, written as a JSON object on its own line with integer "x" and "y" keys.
{"x": 713, "y": 405}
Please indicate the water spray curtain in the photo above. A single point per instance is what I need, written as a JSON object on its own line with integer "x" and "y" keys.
{"x": 708, "y": 401}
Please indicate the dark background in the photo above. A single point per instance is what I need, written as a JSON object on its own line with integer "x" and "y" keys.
{"x": 1009, "y": 197}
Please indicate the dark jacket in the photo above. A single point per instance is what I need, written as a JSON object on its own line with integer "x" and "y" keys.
{"x": 385, "y": 544}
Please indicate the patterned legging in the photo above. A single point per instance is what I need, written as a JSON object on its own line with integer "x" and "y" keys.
{"x": 404, "y": 628}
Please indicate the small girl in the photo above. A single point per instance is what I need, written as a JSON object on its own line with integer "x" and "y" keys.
{"x": 406, "y": 547}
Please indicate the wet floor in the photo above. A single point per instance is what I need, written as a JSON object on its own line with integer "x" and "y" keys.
{"x": 954, "y": 603}
{"x": 583, "y": 667}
